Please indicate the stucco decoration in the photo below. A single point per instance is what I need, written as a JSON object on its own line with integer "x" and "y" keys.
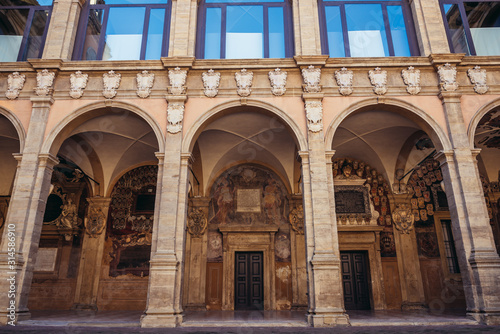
{"x": 378, "y": 79}
{"x": 403, "y": 218}
{"x": 95, "y": 222}
{"x": 296, "y": 217}
{"x": 448, "y": 77}
{"x": 477, "y": 77}
{"x": 411, "y": 78}
{"x": 344, "y": 78}
{"x": 44, "y": 82}
{"x": 196, "y": 223}
{"x": 211, "y": 81}
{"x": 111, "y": 81}
{"x": 175, "y": 115}
{"x": 244, "y": 82}
{"x": 145, "y": 81}
{"x": 177, "y": 78}
{"x": 15, "y": 83}
{"x": 314, "y": 114}
{"x": 78, "y": 82}
{"x": 312, "y": 78}
{"x": 278, "y": 81}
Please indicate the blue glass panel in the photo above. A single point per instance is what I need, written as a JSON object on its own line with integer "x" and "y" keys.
{"x": 244, "y": 32}
{"x": 45, "y": 2}
{"x": 34, "y": 44}
{"x": 398, "y": 31}
{"x": 456, "y": 30}
{"x": 484, "y": 23}
{"x": 128, "y": 2}
{"x": 366, "y": 31}
{"x": 240, "y": 1}
{"x": 26, "y": 3}
{"x": 155, "y": 33}
{"x": 11, "y": 32}
{"x": 124, "y": 33}
{"x": 213, "y": 33}
{"x": 276, "y": 32}
{"x": 360, "y": 0}
{"x": 334, "y": 31}
{"x": 93, "y": 35}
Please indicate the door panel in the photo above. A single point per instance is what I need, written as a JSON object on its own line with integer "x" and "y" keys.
{"x": 249, "y": 289}
{"x": 355, "y": 280}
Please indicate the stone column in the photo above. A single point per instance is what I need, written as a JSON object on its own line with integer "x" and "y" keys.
{"x": 183, "y": 28}
{"x": 299, "y": 259}
{"x": 477, "y": 257}
{"x": 429, "y": 27}
{"x": 306, "y": 27}
{"x": 87, "y": 284}
{"x": 62, "y": 29}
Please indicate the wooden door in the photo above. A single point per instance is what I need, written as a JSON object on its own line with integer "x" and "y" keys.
{"x": 355, "y": 280}
{"x": 249, "y": 282}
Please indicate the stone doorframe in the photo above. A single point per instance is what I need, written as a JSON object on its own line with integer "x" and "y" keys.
{"x": 237, "y": 238}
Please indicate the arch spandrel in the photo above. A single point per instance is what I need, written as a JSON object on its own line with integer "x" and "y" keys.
{"x": 18, "y": 125}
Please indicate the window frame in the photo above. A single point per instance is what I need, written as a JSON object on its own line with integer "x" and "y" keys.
{"x": 29, "y": 22}
{"x": 407, "y": 17}
{"x": 202, "y": 20}
{"x": 82, "y": 28}
{"x": 438, "y": 225}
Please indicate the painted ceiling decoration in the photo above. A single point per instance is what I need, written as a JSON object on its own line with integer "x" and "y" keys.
{"x": 488, "y": 131}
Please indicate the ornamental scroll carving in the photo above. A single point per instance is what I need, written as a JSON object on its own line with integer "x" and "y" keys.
{"x": 411, "y": 78}
{"x": 15, "y": 83}
{"x": 211, "y": 81}
{"x": 403, "y": 218}
{"x": 477, "y": 77}
{"x": 175, "y": 115}
{"x": 314, "y": 114}
{"x": 196, "y": 223}
{"x": 111, "y": 81}
{"x": 145, "y": 81}
{"x": 177, "y": 78}
{"x": 312, "y": 78}
{"x": 95, "y": 222}
{"x": 296, "y": 217}
{"x": 244, "y": 82}
{"x": 78, "y": 82}
{"x": 278, "y": 81}
{"x": 344, "y": 79}
{"x": 378, "y": 79}
{"x": 448, "y": 77}
{"x": 44, "y": 82}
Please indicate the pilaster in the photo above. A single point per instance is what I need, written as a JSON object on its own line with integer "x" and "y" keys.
{"x": 429, "y": 27}
{"x": 183, "y": 28}
{"x": 306, "y": 27}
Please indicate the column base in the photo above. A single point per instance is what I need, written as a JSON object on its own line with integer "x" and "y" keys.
{"x": 328, "y": 319}
{"x": 157, "y": 320}
{"x": 486, "y": 318}
{"x": 8, "y": 318}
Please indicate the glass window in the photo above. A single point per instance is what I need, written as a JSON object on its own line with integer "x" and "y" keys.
{"x": 372, "y": 28}
{"x": 123, "y": 30}
{"x": 449, "y": 246}
{"x": 231, "y": 29}
{"x": 23, "y": 27}
{"x": 473, "y": 27}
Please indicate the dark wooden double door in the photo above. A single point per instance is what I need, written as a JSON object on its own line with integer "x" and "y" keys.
{"x": 248, "y": 281}
{"x": 354, "y": 271}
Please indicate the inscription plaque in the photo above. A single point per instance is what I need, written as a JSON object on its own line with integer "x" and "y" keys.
{"x": 248, "y": 200}
{"x": 351, "y": 200}
{"x": 46, "y": 259}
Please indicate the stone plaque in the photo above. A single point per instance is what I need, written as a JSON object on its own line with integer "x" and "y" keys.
{"x": 351, "y": 200}
{"x": 46, "y": 259}
{"x": 248, "y": 200}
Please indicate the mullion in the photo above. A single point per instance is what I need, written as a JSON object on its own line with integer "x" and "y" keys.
{"x": 446, "y": 24}
{"x": 166, "y": 30}
{"x": 102, "y": 38}
{"x": 266, "y": 31}
{"x": 410, "y": 29}
{"x": 468, "y": 34}
{"x": 26, "y": 31}
{"x": 223, "y": 32}
{"x": 345, "y": 33}
{"x": 44, "y": 36}
{"x": 145, "y": 30}
{"x": 388, "y": 33}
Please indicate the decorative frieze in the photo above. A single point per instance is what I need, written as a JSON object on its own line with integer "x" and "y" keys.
{"x": 15, "y": 83}
{"x": 448, "y": 77}
{"x": 177, "y": 78}
{"x": 378, "y": 79}
{"x": 196, "y": 223}
{"x": 344, "y": 78}
{"x": 175, "y": 115}
{"x": 211, "y": 81}
{"x": 78, "y": 82}
{"x": 403, "y": 218}
{"x": 95, "y": 222}
{"x": 244, "y": 81}
{"x": 111, "y": 82}
{"x": 145, "y": 81}
{"x": 314, "y": 114}
{"x": 278, "y": 81}
{"x": 296, "y": 217}
{"x": 44, "y": 82}
{"x": 411, "y": 78}
{"x": 312, "y": 78}
{"x": 477, "y": 77}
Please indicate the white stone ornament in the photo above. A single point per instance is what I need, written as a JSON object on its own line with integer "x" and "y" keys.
{"x": 312, "y": 78}
{"x": 177, "y": 78}
{"x": 244, "y": 82}
{"x": 278, "y": 81}
{"x": 448, "y": 77}
{"x": 314, "y": 114}
{"x": 211, "y": 82}
{"x": 378, "y": 79}
{"x": 145, "y": 81}
{"x": 44, "y": 82}
{"x": 78, "y": 82}
{"x": 403, "y": 218}
{"x": 175, "y": 115}
{"x": 111, "y": 82}
{"x": 411, "y": 78}
{"x": 477, "y": 77}
{"x": 344, "y": 79}
{"x": 15, "y": 83}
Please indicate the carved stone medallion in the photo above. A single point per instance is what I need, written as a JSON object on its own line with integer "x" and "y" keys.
{"x": 378, "y": 79}
{"x": 297, "y": 219}
{"x": 477, "y": 77}
{"x": 145, "y": 81}
{"x": 411, "y": 78}
{"x": 314, "y": 114}
{"x": 111, "y": 81}
{"x": 448, "y": 77}
{"x": 177, "y": 78}
{"x": 196, "y": 223}
{"x": 95, "y": 222}
{"x": 175, "y": 115}
{"x": 78, "y": 82}
{"x": 211, "y": 82}
{"x": 403, "y": 218}
{"x": 278, "y": 81}
{"x": 312, "y": 78}
{"x": 244, "y": 82}
{"x": 44, "y": 82}
{"x": 344, "y": 79}
{"x": 15, "y": 83}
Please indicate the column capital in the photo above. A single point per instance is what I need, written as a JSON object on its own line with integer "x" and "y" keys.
{"x": 450, "y": 97}
{"x": 176, "y": 98}
{"x": 48, "y": 160}
{"x": 187, "y": 158}
{"x": 329, "y": 156}
{"x": 160, "y": 156}
{"x": 99, "y": 201}
{"x": 303, "y": 156}
{"x": 42, "y": 101}
{"x": 444, "y": 157}
{"x": 312, "y": 97}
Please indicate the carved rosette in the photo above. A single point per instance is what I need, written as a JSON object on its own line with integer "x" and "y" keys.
{"x": 314, "y": 114}
{"x": 211, "y": 82}
{"x": 95, "y": 222}
{"x": 278, "y": 81}
{"x": 145, "y": 81}
{"x": 344, "y": 79}
{"x": 196, "y": 223}
{"x": 244, "y": 82}
{"x": 175, "y": 115}
{"x": 296, "y": 217}
{"x": 177, "y": 78}
{"x": 111, "y": 81}
{"x": 78, "y": 82}
{"x": 477, "y": 77}
{"x": 411, "y": 78}
{"x": 448, "y": 77}
{"x": 378, "y": 79}
{"x": 403, "y": 218}
{"x": 312, "y": 78}
{"x": 44, "y": 82}
{"x": 15, "y": 83}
